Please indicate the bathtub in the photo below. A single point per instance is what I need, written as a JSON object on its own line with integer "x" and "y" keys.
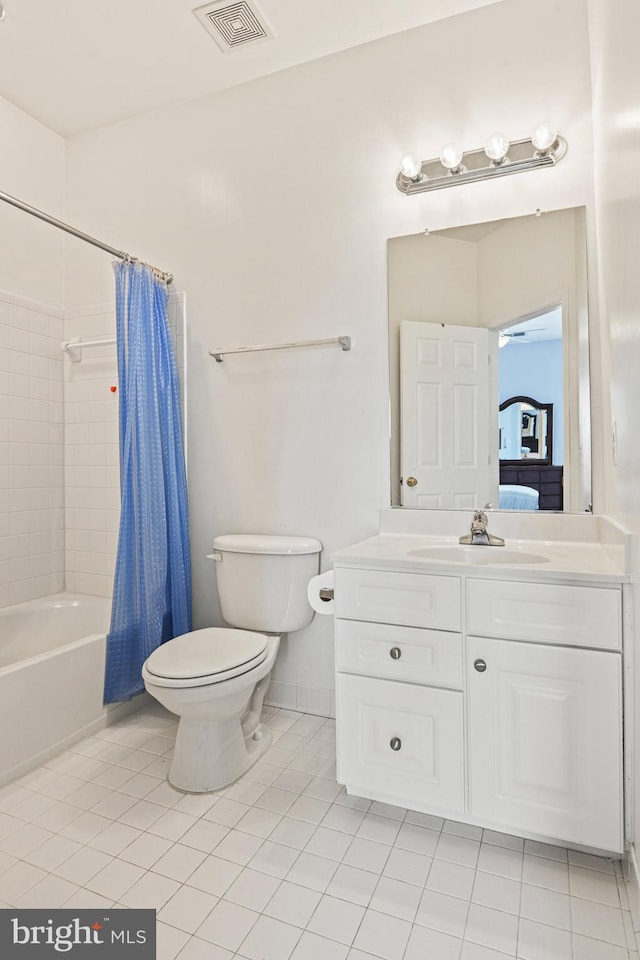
{"x": 52, "y": 656}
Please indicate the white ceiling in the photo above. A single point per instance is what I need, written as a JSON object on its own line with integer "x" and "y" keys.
{"x": 545, "y": 326}
{"x": 79, "y": 64}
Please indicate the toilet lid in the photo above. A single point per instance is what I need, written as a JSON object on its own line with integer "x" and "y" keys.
{"x": 205, "y": 653}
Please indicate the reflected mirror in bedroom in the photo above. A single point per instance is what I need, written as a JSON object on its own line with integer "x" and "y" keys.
{"x": 489, "y": 366}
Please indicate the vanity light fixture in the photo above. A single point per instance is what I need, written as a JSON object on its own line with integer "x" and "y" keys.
{"x": 497, "y": 158}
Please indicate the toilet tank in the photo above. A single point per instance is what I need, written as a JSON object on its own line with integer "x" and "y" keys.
{"x": 262, "y": 580}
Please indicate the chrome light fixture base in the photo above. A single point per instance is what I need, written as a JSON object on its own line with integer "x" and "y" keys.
{"x": 475, "y": 165}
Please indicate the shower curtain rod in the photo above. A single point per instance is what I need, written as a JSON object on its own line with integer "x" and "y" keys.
{"x": 161, "y": 274}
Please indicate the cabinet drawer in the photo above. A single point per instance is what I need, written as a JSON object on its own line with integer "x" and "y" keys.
{"x": 399, "y": 653}
{"x": 549, "y": 613}
{"x": 401, "y": 742}
{"x": 412, "y": 599}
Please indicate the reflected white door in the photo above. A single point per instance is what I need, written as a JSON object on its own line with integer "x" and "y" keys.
{"x": 449, "y": 417}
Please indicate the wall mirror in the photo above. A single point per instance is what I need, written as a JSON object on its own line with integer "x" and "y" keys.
{"x": 489, "y": 365}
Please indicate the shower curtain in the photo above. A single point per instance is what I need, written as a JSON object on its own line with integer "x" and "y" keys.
{"x": 152, "y": 585}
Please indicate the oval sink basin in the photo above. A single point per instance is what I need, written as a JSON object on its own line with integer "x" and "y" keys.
{"x": 478, "y": 555}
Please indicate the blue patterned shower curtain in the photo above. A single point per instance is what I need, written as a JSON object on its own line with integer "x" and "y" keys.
{"x": 152, "y": 586}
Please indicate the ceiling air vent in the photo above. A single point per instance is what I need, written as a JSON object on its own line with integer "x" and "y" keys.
{"x": 233, "y": 25}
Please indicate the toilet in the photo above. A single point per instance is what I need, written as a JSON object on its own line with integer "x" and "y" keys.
{"x": 215, "y": 679}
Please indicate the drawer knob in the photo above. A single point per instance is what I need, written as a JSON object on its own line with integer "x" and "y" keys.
{"x": 480, "y": 665}
{"x": 395, "y": 743}
{"x": 395, "y": 653}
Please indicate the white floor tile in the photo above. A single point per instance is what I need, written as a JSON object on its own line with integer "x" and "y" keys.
{"x": 598, "y": 921}
{"x": 451, "y": 878}
{"x": 145, "y": 850}
{"x": 349, "y": 883}
{"x": 169, "y": 941}
{"x": 504, "y": 862}
{"x": 197, "y": 949}
{"x": 179, "y": 862}
{"x": 396, "y": 898}
{"x": 312, "y": 871}
{"x": 536, "y": 941}
{"x": 239, "y": 873}
{"x": 586, "y": 949}
{"x": 252, "y": 889}
{"x": 274, "y": 859}
{"x": 545, "y": 873}
{"x": 492, "y": 928}
{"x": 383, "y": 935}
{"x": 546, "y": 906}
{"x": 442, "y": 912}
{"x": 424, "y": 943}
{"x": 332, "y": 844}
{"x": 593, "y": 885}
{"x": 407, "y": 866}
{"x": 314, "y": 947}
{"x": 115, "y": 879}
{"x": 336, "y": 920}
{"x": 214, "y": 875}
{"x": 501, "y": 893}
{"x": 417, "y": 839}
{"x": 270, "y": 939}
{"x": 293, "y": 833}
{"x": 50, "y": 892}
{"x": 367, "y": 855}
{"x": 226, "y": 812}
{"x": 150, "y": 892}
{"x": 380, "y": 829}
{"x": 236, "y": 846}
{"x": 187, "y": 908}
{"x": 258, "y": 822}
{"x": 457, "y": 850}
{"x": 227, "y": 925}
{"x": 292, "y": 904}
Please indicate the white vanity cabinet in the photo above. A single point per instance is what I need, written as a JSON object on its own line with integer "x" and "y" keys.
{"x": 497, "y": 702}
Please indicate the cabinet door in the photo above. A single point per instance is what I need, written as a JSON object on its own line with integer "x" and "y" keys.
{"x": 545, "y": 741}
{"x": 401, "y": 742}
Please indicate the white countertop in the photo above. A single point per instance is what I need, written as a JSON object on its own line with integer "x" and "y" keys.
{"x": 575, "y": 561}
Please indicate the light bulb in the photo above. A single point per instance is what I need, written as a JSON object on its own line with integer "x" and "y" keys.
{"x": 451, "y": 157}
{"x": 496, "y": 148}
{"x": 411, "y": 167}
{"x": 544, "y": 137}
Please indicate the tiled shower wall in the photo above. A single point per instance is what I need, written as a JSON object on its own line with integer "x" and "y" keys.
{"x": 31, "y": 451}
{"x": 92, "y": 476}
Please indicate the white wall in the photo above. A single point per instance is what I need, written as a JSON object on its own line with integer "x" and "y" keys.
{"x": 615, "y": 28}
{"x": 31, "y": 430}
{"x": 272, "y": 203}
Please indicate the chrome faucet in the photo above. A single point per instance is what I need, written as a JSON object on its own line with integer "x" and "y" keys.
{"x": 479, "y": 533}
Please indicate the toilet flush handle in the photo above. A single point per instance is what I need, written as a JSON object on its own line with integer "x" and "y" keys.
{"x": 214, "y": 556}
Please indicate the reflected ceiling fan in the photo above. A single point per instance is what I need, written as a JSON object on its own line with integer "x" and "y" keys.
{"x": 517, "y": 336}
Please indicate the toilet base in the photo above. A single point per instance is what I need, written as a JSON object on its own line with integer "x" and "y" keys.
{"x": 209, "y": 756}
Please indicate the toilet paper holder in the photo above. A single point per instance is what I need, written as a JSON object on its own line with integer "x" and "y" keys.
{"x": 325, "y": 593}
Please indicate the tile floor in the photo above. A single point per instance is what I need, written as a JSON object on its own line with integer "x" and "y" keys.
{"x": 283, "y": 865}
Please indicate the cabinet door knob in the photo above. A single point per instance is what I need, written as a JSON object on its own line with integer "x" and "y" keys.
{"x": 480, "y": 665}
{"x": 412, "y": 482}
{"x": 395, "y": 743}
{"x": 395, "y": 653}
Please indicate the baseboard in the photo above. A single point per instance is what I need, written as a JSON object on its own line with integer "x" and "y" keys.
{"x": 632, "y": 883}
{"x": 318, "y": 701}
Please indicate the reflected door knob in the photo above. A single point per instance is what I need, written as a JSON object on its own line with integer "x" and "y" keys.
{"x": 412, "y": 482}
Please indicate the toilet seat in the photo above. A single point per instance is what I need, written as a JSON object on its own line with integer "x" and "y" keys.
{"x": 206, "y": 656}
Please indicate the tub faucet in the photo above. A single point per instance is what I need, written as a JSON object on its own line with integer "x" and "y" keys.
{"x": 479, "y": 533}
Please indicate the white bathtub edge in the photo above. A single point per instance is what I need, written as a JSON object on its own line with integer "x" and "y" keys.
{"x": 111, "y": 715}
